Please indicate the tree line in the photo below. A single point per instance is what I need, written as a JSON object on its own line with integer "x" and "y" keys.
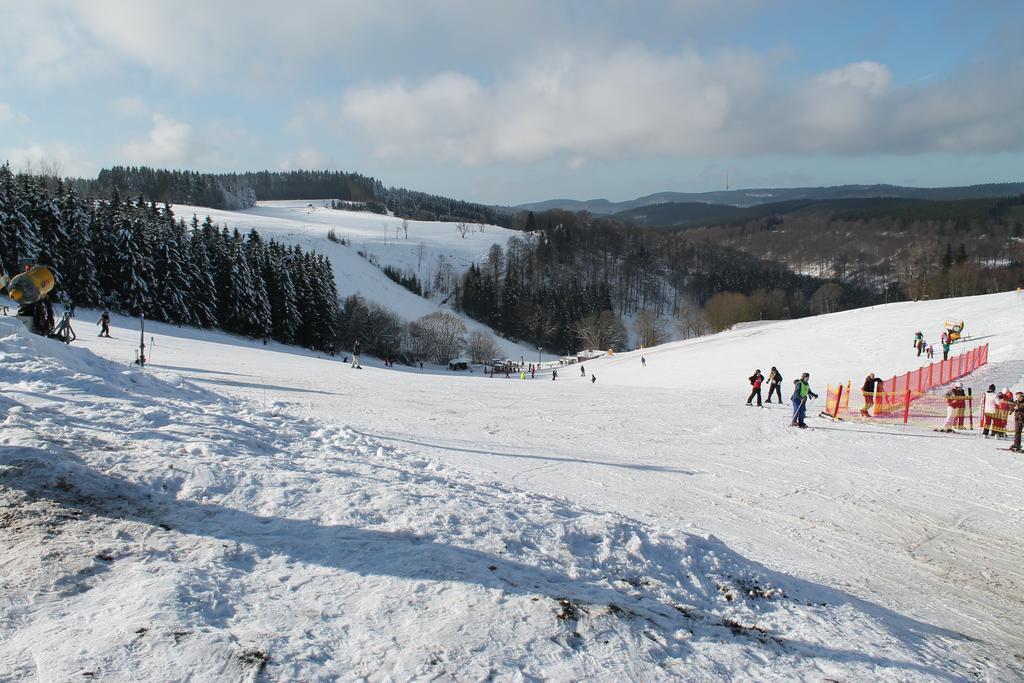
{"x": 233, "y": 191}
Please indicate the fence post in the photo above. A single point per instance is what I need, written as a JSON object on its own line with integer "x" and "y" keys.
{"x": 970, "y": 407}
{"x": 906, "y": 407}
{"x": 839, "y": 398}
{"x": 931, "y": 367}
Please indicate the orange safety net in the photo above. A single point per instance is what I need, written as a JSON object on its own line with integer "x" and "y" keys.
{"x": 908, "y": 399}
{"x": 937, "y": 374}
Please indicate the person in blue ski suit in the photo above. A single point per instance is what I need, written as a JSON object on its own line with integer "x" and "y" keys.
{"x": 801, "y": 392}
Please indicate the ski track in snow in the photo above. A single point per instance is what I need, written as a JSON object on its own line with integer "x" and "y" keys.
{"x": 346, "y": 524}
{"x": 158, "y": 531}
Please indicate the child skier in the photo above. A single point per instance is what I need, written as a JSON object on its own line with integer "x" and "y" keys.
{"x": 801, "y": 392}
{"x": 774, "y": 384}
{"x": 755, "y": 381}
{"x": 104, "y": 323}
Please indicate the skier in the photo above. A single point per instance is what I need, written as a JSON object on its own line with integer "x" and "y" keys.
{"x": 1003, "y": 399}
{"x": 643, "y": 362}
{"x": 554, "y": 375}
{"x": 583, "y": 371}
{"x": 952, "y": 402}
{"x": 871, "y": 385}
{"x": 946, "y": 343}
{"x": 961, "y": 405}
{"x": 104, "y": 323}
{"x": 774, "y": 384}
{"x": 755, "y": 381}
{"x": 801, "y": 392}
{"x": 593, "y": 378}
{"x": 990, "y": 405}
{"x": 1018, "y": 417}
{"x": 533, "y": 372}
{"x": 355, "y": 355}
{"x": 919, "y": 343}
{"x": 930, "y": 352}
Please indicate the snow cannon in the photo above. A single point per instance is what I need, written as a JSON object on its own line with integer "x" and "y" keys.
{"x": 30, "y": 286}
{"x": 954, "y": 329}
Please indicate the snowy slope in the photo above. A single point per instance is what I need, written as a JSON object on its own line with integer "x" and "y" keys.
{"x": 292, "y": 222}
{"x": 155, "y": 530}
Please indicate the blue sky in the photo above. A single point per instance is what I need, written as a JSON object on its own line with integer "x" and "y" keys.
{"x": 514, "y": 102}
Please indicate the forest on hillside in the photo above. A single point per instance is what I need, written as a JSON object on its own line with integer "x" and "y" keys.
{"x": 135, "y": 257}
{"x": 569, "y": 281}
{"x": 234, "y": 191}
{"x": 913, "y": 249}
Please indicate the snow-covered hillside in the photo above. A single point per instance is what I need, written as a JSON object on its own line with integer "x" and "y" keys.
{"x": 236, "y": 508}
{"x": 382, "y": 238}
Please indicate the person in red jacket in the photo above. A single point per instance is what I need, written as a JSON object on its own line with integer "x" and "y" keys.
{"x": 755, "y": 381}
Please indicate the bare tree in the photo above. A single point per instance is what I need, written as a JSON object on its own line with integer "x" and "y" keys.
{"x": 650, "y": 328}
{"x": 439, "y": 335}
{"x": 405, "y": 227}
{"x": 826, "y": 298}
{"x": 463, "y": 228}
{"x": 482, "y": 346}
{"x": 421, "y": 251}
{"x": 602, "y": 330}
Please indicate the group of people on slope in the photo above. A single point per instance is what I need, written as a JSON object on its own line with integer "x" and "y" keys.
{"x": 925, "y": 349}
{"x": 996, "y": 410}
{"x": 801, "y": 393}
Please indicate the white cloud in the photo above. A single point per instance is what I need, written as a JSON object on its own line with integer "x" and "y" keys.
{"x": 308, "y": 159}
{"x": 311, "y": 114}
{"x": 129, "y": 106}
{"x": 871, "y": 78}
{"x": 168, "y": 143}
{"x": 635, "y": 103}
{"x": 63, "y": 159}
{"x": 8, "y": 115}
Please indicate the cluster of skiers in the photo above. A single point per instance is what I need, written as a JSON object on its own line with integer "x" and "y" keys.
{"x": 995, "y": 414}
{"x": 801, "y": 393}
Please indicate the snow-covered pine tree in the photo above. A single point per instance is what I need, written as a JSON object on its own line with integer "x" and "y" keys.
{"x": 109, "y": 217}
{"x": 239, "y": 300}
{"x": 80, "y": 279}
{"x": 19, "y": 234}
{"x": 51, "y": 236}
{"x": 133, "y": 272}
{"x": 256, "y": 254}
{"x": 171, "y": 280}
{"x": 283, "y": 298}
{"x": 204, "y": 291}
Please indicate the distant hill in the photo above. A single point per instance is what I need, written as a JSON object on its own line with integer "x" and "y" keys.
{"x": 756, "y": 197}
{"x": 683, "y": 215}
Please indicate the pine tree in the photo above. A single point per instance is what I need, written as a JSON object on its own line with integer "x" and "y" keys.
{"x": 205, "y": 296}
{"x": 18, "y": 233}
{"x": 80, "y": 279}
{"x": 133, "y": 273}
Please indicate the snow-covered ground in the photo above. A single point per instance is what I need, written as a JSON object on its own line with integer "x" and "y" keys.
{"x": 235, "y": 503}
{"x": 379, "y": 237}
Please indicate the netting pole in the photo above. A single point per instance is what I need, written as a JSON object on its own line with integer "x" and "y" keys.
{"x": 839, "y": 398}
{"x": 970, "y": 407}
{"x": 931, "y": 366}
{"x": 906, "y": 407}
